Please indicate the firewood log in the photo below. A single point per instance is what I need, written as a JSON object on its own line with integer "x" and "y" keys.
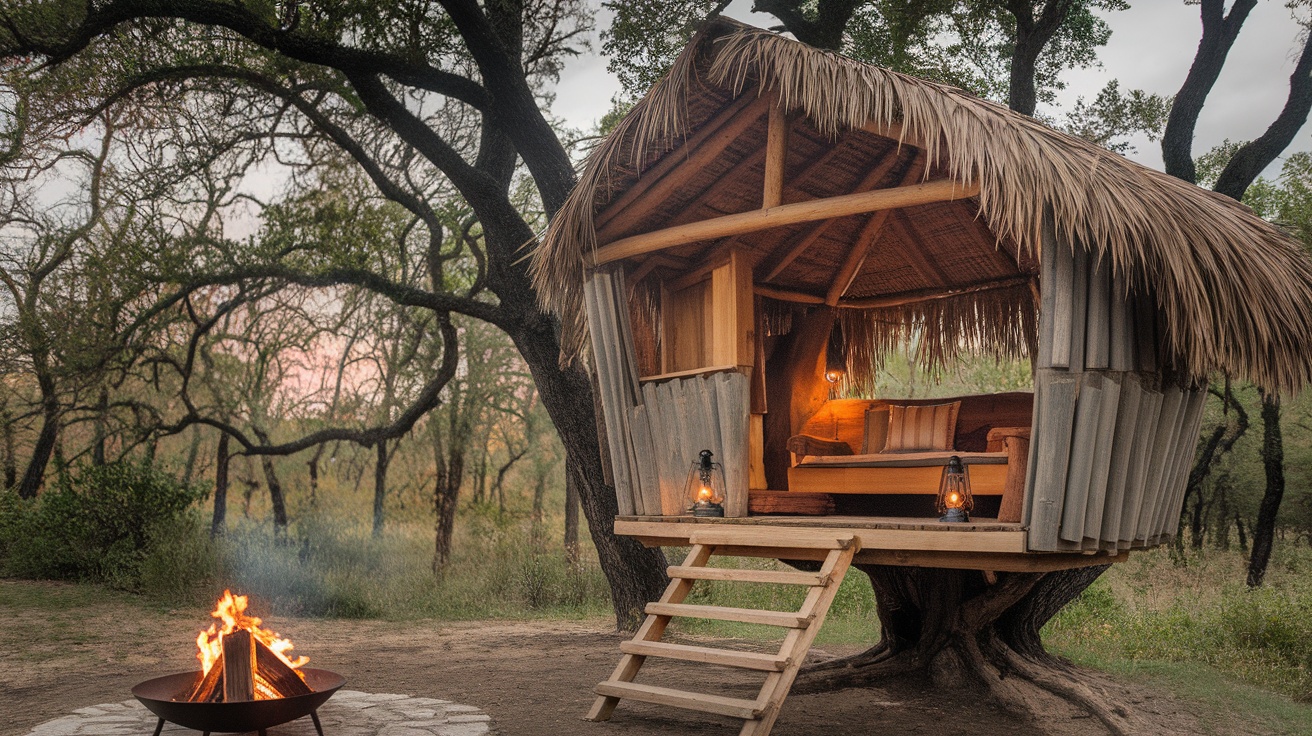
{"x": 283, "y": 679}
{"x": 207, "y": 686}
{"x": 238, "y": 666}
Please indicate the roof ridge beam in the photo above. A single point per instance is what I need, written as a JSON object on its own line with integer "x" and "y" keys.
{"x": 939, "y": 190}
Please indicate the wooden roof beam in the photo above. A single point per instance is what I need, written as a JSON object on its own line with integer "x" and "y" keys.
{"x": 817, "y": 231}
{"x": 673, "y": 170}
{"x": 776, "y": 153}
{"x": 869, "y": 233}
{"x": 929, "y": 295}
{"x": 941, "y": 190}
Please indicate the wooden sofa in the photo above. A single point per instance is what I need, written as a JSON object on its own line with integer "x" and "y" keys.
{"x": 991, "y": 437}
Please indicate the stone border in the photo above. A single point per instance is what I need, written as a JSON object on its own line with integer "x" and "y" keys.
{"x": 348, "y": 713}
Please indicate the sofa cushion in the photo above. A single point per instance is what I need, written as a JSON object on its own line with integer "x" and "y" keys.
{"x": 904, "y": 460}
{"x": 925, "y": 427}
{"x": 876, "y": 434}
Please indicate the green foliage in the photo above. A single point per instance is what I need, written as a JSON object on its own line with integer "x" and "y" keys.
{"x": 98, "y": 523}
{"x": 1114, "y": 114}
{"x": 1152, "y": 609}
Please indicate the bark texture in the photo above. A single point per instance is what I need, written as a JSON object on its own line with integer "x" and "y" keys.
{"x": 977, "y": 634}
{"x": 1273, "y": 461}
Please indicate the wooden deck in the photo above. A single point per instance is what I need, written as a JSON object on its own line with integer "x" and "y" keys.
{"x": 985, "y": 544}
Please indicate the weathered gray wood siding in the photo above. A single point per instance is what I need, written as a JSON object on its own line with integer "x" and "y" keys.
{"x": 1112, "y": 439}
{"x": 654, "y": 431}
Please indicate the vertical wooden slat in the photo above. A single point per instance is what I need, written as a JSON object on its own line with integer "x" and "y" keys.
{"x": 1123, "y": 444}
{"x": 1122, "y": 325}
{"x": 660, "y": 407}
{"x": 1047, "y": 294}
{"x": 734, "y": 398}
{"x": 1163, "y": 459}
{"x": 1145, "y": 332}
{"x": 1055, "y": 394}
{"x": 1097, "y": 332}
{"x": 1079, "y": 296}
{"x": 1168, "y": 517}
{"x": 1099, "y": 474}
{"x": 611, "y": 384}
{"x": 1140, "y": 458}
{"x": 648, "y": 470}
{"x": 1062, "y": 305}
{"x": 1088, "y": 409}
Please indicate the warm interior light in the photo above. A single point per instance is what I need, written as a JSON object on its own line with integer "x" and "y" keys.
{"x": 704, "y": 494}
{"x": 833, "y": 376}
{"x": 954, "y": 500}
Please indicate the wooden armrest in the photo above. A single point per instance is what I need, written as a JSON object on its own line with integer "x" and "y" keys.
{"x": 805, "y": 444}
{"x": 1000, "y": 433}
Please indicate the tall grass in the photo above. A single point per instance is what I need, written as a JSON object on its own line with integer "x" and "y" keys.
{"x": 1160, "y": 607}
{"x": 330, "y": 567}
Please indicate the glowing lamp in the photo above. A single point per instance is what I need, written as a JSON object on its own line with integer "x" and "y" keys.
{"x": 835, "y": 356}
{"x": 705, "y": 488}
{"x": 954, "y": 498}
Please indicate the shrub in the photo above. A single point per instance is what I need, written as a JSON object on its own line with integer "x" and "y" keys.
{"x": 99, "y": 523}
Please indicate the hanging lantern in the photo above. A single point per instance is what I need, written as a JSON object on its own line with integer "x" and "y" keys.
{"x": 835, "y": 355}
{"x": 954, "y": 498}
{"x": 705, "y": 488}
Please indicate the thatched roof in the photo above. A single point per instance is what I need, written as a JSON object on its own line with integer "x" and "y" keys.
{"x": 1235, "y": 292}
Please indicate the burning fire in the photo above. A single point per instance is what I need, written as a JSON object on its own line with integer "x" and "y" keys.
{"x": 231, "y": 611}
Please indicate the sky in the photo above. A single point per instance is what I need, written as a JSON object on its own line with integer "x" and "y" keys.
{"x": 1151, "y": 48}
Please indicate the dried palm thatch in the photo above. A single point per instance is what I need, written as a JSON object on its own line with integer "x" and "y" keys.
{"x": 1235, "y": 293}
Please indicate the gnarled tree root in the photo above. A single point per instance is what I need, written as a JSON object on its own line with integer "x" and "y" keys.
{"x": 961, "y": 630}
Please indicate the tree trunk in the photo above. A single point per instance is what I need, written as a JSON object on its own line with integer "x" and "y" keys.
{"x": 100, "y": 428}
{"x": 313, "y": 465}
{"x": 571, "y": 520}
{"x": 1219, "y": 33}
{"x": 959, "y": 632}
{"x": 193, "y": 453}
{"x": 636, "y": 574}
{"x": 380, "y": 486}
{"x": 1273, "y": 460}
{"x": 46, "y": 439}
{"x": 219, "y": 523}
{"x": 10, "y": 459}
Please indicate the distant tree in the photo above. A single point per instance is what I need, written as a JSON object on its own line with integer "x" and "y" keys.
{"x": 1238, "y": 172}
{"x": 418, "y": 98}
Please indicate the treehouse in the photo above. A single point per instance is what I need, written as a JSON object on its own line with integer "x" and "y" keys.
{"x": 771, "y": 220}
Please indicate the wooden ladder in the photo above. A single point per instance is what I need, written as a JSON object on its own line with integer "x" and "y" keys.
{"x": 781, "y": 668}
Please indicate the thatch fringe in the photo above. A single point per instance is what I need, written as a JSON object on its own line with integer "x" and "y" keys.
{"x": 1002, "y": 323}
{"x": 1234, "y": 290}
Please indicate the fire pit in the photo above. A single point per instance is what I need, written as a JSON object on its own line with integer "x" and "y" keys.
{"x": 255, "y": 715}
{"x": 246, "y": 682}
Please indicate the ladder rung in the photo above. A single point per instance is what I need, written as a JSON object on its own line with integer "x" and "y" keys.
{"x": 779, "y": 577}
{"x": 735, "y": 707}
{"x": 709, "y": 655}
{"x": 752, "y": 537}
{"x": 741, "y": 615}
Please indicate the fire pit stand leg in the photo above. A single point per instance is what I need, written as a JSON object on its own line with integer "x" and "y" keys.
{"x": 314, "y": 715}
{"x": 159, "y": 726}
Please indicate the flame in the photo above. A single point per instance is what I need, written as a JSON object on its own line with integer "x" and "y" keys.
{"x": 954, "y": 500}
{"x": 231, "y": 611}
{"x": 704, "y": 494}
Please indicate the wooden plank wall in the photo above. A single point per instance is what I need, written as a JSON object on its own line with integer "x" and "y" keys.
{"x": 606, "y": 301}
{"x": 688, "y": 415}
{"x": 655, "y": 431}
{"x": 1112, "y": 441}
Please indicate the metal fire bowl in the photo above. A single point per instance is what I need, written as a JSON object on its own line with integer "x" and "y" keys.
{"x": 251, "y": 715}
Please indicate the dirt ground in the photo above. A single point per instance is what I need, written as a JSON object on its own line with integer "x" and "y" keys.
{"x": 532, "y": 677}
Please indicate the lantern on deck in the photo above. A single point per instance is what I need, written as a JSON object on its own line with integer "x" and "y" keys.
{"x": 705, "y": 488}
{"x": 954, "y": 499}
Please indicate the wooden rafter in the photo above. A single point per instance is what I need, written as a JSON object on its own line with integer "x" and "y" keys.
{"x": 662, "y": 180}
{"x": 787, "y": 295}
{"x": 942, "y": 190}
{"x": 929, "y": 295}
{"x": 817, "y": 231}
{"x": 861, "y": 247}
{"x": 776, "y": 154}
{"x": 915, "y": 255}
